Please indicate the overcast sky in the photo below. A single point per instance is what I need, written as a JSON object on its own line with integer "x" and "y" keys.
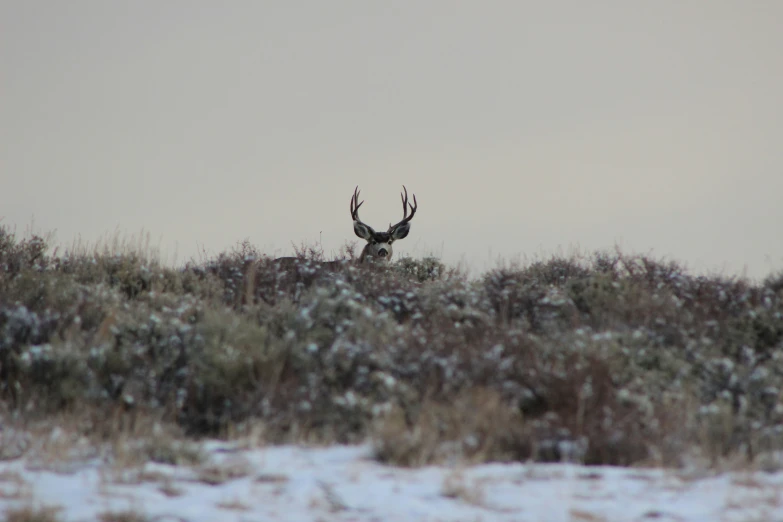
{"x": 524, "y": 128}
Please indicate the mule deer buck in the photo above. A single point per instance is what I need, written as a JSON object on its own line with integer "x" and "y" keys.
{"x": 379, "y": 244}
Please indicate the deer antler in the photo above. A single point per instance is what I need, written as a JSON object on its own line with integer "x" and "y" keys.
{"x": 405, "y": 204}
{"x": 354, "y": 206}
{"x": 358, "y": 225}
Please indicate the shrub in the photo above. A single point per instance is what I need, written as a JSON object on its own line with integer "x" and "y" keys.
{"x": 605, "y": 359}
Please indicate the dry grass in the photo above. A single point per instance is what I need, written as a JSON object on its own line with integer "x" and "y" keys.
{"x": 126, "y": 439}
{"x": 33, "y": 514}
{"x": 13, "y": 486}
{"x": 578, "y": 515}
{"x": 271, "y": 478}
{"x": 121, "y": 244}
{"x": 233, "y": 505}
{"x": 476, "y": 427}
{"x": 170, "y": 490}
{"x": 456, "y": 486}
{"x": 216, "y": 474}
{"x": 333, "y": 499}
{"x": 127, "y": 515}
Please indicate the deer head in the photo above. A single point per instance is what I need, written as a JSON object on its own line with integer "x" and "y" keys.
{"x": 379, "y": 244}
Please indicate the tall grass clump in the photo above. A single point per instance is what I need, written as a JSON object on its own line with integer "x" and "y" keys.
{"x": 603, "y": 359}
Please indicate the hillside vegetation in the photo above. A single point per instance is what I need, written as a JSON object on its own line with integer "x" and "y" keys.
{"x": 603, "y": 359}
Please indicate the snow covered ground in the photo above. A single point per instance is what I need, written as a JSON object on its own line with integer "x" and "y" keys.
{"x": 343, "y": 483}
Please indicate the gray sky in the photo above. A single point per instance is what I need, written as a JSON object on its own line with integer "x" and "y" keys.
{"x": 524, "y": 128}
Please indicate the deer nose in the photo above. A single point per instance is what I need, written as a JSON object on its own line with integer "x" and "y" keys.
{"x": 382, "y": 252}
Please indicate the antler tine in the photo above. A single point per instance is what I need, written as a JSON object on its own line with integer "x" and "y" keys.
{"x": 405, "y": 204}
{"x": 413, "y": 207}
{"x": 355, "y": 204}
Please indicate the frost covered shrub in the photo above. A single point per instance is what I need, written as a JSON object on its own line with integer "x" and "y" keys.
{"x": 140, "y": 354}
{"x": 563, "y": 390}
{"x": 604, "y": 359}
{"x": 226, "y": 373}
{"x": 24, "y": 348}
{"x": 15, "y": 255}
{"x": 604, "y": 302}
{"x": 231, "y": 269}
{"x": 524, "y": 298}
{"x": 335, "y": 378}
{"x": 425, "y": 269}
{"x": 556, "y": 271}
{"x": 249, "y": 277}
{"x": 774, "y": 282}
{"x": 129, "y": 273}
{"x": 511, "y": 295}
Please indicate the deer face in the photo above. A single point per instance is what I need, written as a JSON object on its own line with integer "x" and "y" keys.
{"x": 379, "y": 244}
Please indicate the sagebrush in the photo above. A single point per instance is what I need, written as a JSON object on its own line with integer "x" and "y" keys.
{"x": 605, "y": 358}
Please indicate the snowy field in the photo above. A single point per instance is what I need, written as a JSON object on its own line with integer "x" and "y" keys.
{"x": 343, "y": 483}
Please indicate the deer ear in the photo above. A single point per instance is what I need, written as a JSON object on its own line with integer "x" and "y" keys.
{"x": 401, "y": 231}
{"x": 362, "y": 230}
